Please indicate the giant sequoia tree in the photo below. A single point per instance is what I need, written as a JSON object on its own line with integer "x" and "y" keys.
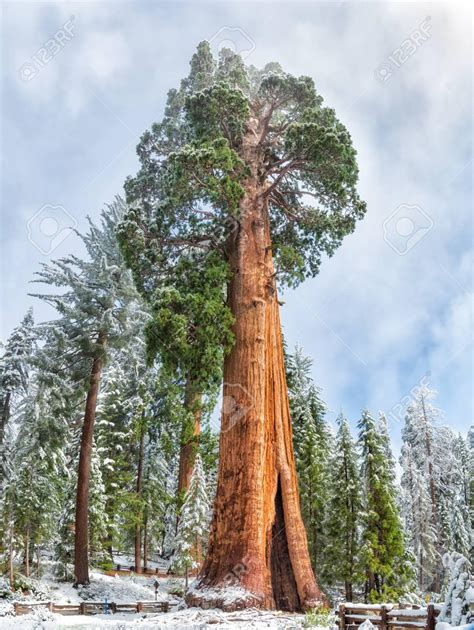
{"x": 250, "y": 170}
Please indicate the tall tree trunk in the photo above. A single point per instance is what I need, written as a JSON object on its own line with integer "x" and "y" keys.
{"x": 27, "y": 552}
{"x": 38, "y": 561}
{"x": 432, "y": 486}
{"x": 4, "y": 416}
{"x": 139, "y": 516}
{"x": 11, "y": 576}
{"x": 189, "y": 437}
{"x": 81, "y": 537}
{"x": 145, "y": 543}
{"x": 257, "y": 535}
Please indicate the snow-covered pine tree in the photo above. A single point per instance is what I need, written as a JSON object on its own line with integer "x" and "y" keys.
{"x": 193, "y": 525}
{"x": 383, "y": 546}
{"x": 93, "y": 310}
{"x": 438, "y": 463}
{"x": 457, "y": 609}
{"x": 416, "y": 512}
{"x": 15, "y": 364}
{"x": 343, "y": 513}
{"x": 39, "y": 472}
{"x": 312, "y": 442}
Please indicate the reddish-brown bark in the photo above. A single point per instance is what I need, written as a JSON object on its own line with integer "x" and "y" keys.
{"x": 257, "y": 535}
{"x": 192, "y": 404}
{"x": 81, "y": 535}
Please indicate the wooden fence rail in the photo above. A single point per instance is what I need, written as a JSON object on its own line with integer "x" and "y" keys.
{"x": 387, "y": 617}
{"x": 92, "y": 608}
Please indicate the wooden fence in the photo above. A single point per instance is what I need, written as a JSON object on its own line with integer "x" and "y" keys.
{"x": 92, "y": 608}
{"x": 387, "y": 617}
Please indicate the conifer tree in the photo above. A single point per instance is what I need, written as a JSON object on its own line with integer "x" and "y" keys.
{"x": 312, "y": 444}
{"x": 343, "y": 518}
{"x": 225, "y": 179}
{"x": 416, "y": 511}
{"x": 193, "y": 524}
{"x": 15, "y": 365}
{"x": 383, "y": 544}
{"x": 93, "y": 311}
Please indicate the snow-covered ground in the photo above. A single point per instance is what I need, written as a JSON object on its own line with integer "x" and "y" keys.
{"x": 187, "y": 619}
{"x": 131, "y": 589}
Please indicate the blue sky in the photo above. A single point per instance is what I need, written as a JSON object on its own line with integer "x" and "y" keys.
{"x": 394, "y": 305}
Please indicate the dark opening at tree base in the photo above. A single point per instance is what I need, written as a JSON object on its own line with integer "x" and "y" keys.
{"x": 285, "y": 592}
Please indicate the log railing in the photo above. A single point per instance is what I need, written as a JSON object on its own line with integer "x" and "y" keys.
{"x": 92, "y": 608}
{"x": 387, "y": 617}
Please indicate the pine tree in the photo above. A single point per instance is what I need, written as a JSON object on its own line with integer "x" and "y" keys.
{"x": 439, "y": 465}
{"x": 416, "y": 511}
{"x": 193, "y": 523}
{"x": 225, "y": 178}
{"x": 93, "y": 311}
{"x": 15, "y": 365}
{"x": 343, "y": 518}
{"x": 457, "y": 609}
{"x": 312, "y": 444}
{"x": 383, "y": 551}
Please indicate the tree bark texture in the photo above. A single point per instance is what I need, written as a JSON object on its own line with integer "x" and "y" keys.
{"x": 192, "y": 404}
{"x": 81, "y": 536}
{"x": 258, "y": 540}
{"x": 139, "y": 516}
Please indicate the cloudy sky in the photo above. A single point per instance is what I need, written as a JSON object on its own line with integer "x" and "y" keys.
{"x": 393, "y": 307}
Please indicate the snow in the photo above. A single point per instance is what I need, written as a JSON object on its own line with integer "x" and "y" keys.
{"x": 186, "y": 619}
{"x": 367, "y": 625}
{"x": 140, "y": 588}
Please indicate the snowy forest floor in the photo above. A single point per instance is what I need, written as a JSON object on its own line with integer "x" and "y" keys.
{"x": 131, "y": 589}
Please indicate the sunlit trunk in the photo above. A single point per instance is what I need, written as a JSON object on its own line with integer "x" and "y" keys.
{"x": 257, "y": 537}
{"x": 81, "y": 538}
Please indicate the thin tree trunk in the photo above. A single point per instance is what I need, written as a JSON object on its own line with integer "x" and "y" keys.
{"x": 432, "y": 486}
{"x": 11, "y": 576}
{"x": 81, "y": 538}
{"x": 27, "y": 553}
{"x": 348, "y": 589}
{"x": 145, "y": 543}
{"x": 4, "y": 416}
{"x": 139, "y": 516}
{"x": 257, "y": 534}
{"x": 189, "y": 438}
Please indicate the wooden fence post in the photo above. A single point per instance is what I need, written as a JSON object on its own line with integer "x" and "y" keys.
{"x": 342, "y": 617}
{"x": 82, "y": 608}
{"x": 383, "y": 618}
{"x": 431, "y": 618}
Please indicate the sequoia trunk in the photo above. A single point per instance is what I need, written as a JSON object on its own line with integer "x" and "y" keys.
{"x": 189, "y": 438}
{"x": 257, "y": 540}
{"x": 81, "y": 538}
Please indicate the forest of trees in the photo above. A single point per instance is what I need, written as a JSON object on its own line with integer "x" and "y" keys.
{"x": 106, "y": 440}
